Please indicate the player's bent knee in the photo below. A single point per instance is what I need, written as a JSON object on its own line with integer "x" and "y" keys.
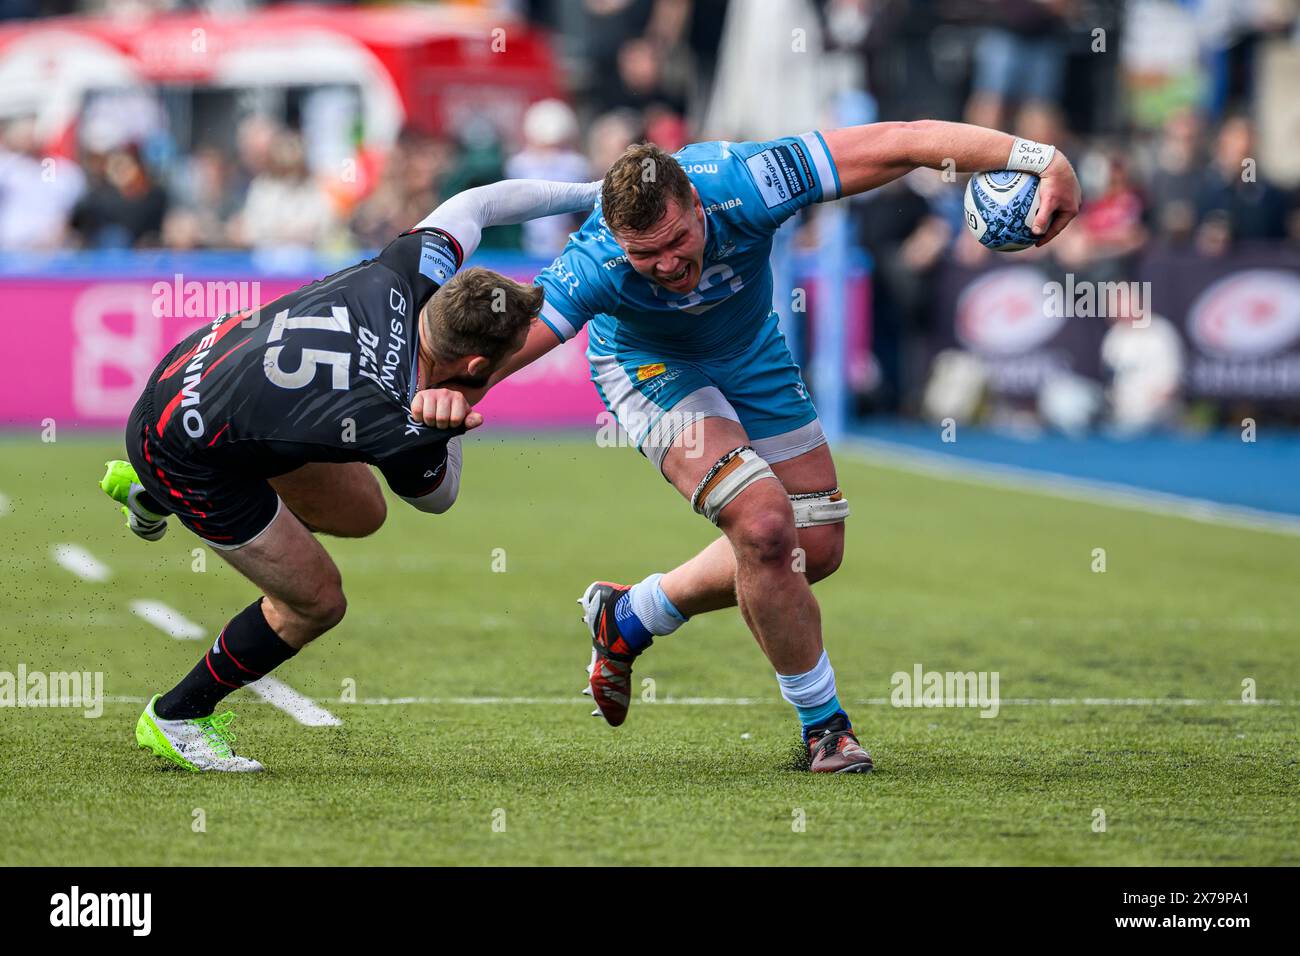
{"x": 763, "y": 537}
{"x": 326, "y": 611}
{"x": 322, "y": 607}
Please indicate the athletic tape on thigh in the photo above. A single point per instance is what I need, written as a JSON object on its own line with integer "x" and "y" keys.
{"x": 819, "y": 507}
{"x": 731, "y": 474}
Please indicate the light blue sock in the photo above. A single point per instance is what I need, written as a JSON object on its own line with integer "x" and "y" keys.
{"x": 812, "y": 694}
{"x": 653, "y": 609}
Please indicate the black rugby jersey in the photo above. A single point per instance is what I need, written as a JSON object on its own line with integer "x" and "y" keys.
{"x": 322, "y": 374}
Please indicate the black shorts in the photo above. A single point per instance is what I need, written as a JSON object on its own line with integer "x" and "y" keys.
{"x": 226, "y": 510}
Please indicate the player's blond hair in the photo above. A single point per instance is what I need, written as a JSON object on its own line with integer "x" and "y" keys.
{"x": 639, "y": 186}
{"x": 479, "y": 312}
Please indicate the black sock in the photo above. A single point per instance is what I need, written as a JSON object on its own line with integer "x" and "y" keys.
{"x": 147, "y": 502}
{"x": 244, "y": 651}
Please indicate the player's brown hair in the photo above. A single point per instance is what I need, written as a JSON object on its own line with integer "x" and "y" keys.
{"x": 639, "y": 186}
{"x": 480, "y": 312}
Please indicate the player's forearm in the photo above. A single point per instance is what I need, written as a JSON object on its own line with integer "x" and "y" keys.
{"x": 540, "y": 340}
{"x": 869, "y": 156}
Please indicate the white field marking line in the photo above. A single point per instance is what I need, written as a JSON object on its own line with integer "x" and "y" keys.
{"x": 300, "y": 708}
{"x": 578, "y": 700}
{"x": 1091, "y": 491}
{"x": 168, "y": 620}
{"x": 4, "y": 504}
{"x": 75, "y": 558}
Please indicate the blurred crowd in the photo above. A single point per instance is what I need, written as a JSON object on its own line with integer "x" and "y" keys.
{"x": 645, "y": 69}
{"x": 1179, "y": 167}
{"x": 632, "y": 66}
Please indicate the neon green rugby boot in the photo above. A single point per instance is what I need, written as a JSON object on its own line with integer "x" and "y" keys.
{"x": 122, "y": 485}
{"x": 199, "y": 744}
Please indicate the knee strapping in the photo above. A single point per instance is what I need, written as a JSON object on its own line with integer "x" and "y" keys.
{"x": 730, "y": 475}
{"x": 819, "y": 507}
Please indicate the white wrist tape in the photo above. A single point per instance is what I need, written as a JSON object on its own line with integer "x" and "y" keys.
{"x": 1030, "y": 157}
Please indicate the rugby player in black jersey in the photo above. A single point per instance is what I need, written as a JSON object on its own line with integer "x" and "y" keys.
{"x": 259, "y": 429}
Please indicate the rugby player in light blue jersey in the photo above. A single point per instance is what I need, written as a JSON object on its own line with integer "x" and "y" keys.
{"x": 670, "y": 274}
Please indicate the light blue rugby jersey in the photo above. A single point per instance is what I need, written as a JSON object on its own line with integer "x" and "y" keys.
{"x": 747, "y": 190}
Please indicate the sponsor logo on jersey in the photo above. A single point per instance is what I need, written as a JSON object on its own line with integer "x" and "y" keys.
{"x": 650, "y": 371}
{"x": 191, "y": 418}
{"x": 615, "y": 262}
{"x": 436, "y": 260}
{"x": 775, "y": 172}
{"x": 723, "y": 206}
{"x": 699, "y": 167}
{"x": 381, "y": 366}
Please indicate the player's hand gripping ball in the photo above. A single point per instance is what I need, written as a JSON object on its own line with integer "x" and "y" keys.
{"x": 1001, "y": 207}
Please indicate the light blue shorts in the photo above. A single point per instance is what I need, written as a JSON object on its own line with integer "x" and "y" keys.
{"x": 655, "y": 397}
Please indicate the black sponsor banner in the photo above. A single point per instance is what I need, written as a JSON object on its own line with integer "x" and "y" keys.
{"x": 1016, "y": 318}
{"x": 1239, "y": 316}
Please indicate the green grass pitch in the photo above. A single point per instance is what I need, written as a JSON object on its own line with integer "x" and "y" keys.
{"x": 954, "y": 576}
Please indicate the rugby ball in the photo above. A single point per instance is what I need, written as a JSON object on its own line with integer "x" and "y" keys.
{"x": 1000, "y": 209}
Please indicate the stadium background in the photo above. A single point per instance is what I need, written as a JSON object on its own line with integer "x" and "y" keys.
{"x": 154, "y": 151}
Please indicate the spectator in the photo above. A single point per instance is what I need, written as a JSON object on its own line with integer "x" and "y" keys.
{"x": 611, "y": 134}
{"x": 208, "y": 196}
{"x": 1235, "y": 201}
{"x": 550, "y": 130}
{"x": 1020, "y": 61}
{"x": 481, "y": 161}
{"x": 1174, "y": 183}
{"x": 285, "y": 207}
{"x": 1109, "y": 229}
{"x": 634, "y": 52}
{"x": 124, "y": 206}
{"x": 254, "y": 138}
{"x": 37, "y": 193}
{"x": 408, "y": 188}
{"x": 1144, "y": 357}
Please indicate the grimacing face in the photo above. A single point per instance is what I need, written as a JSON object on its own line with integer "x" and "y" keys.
{"x": 671, "y": 252}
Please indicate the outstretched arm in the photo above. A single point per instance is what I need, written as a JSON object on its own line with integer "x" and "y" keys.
{"x": 869, "y": 156}
{"x": 466, "y": 214}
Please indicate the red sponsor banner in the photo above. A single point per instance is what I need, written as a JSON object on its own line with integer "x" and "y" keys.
{"x": 79, "y": 351}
